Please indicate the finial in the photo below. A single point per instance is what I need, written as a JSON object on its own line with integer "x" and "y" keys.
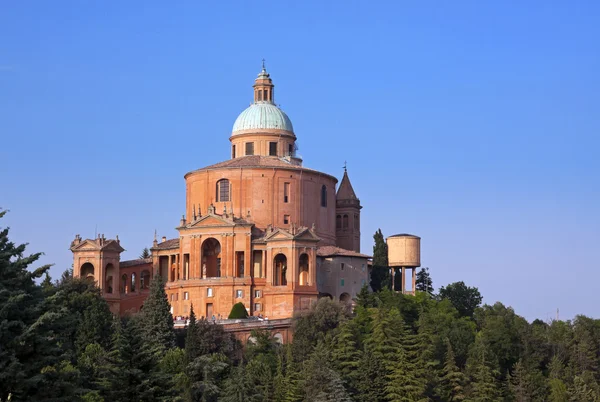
{"x": 154, "y": 234}
{"x": 263, "y": 64}
{"x": 345, "y": 166}
{"x": 194, "y": 207}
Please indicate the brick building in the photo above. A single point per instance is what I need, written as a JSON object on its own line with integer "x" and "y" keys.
{"x": 260, "y": 228}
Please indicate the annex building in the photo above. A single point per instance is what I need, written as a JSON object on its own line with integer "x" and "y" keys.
{"x": 260, "y": 228}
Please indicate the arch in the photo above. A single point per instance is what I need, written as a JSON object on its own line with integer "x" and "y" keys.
{"x": 87, "y": 271}
{"x": 324, "y": 196}
{"x": 345, "y": 221}
{"x": 110, "y": 276}
{"x": 303, "y": 271}
{"x": 223, "y": 191}
{"x": 145, "y": 279}
{"x": 211, "y": 258}
{"x": 338, "y": 221}
{"x": 133, "y": 280}
{"x": 321, "y": 295}
{"x": 278, "y": 338}
{"x": 280, "y": 270}
{"x": 345, "y": 298}
{"x": 124, "y": 288}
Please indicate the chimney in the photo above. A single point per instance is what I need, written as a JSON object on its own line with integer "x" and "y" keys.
{"x": 164, "y": 239}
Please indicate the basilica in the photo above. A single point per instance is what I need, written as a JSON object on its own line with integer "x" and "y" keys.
{"x": 260, "y": 228}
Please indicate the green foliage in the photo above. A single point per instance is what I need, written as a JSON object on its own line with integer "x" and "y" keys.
{"x": 238, "y": 311}
{"x": 464, "y": 298}
{"x": 424, "y": 282}
{"x": 155, "y": 320}
{"x": 145, "y": 253}
{"x": 380, "y": 277}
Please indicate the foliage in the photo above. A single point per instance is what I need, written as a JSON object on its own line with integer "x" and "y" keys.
{"x": 424, "y": 282}
{"x": 380, "y": 277}
{"x": 238, "y": 311}
{"x": 464, "y": 298}
{"x": 145, "y": 253}
{"x": 156, "y": 321}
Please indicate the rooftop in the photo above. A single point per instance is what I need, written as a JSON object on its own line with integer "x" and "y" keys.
{"x": 330, "y": 251}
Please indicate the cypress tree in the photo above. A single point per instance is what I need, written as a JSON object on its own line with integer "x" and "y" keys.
{"x": 380, "y": 277}
{"x": 192, "y": 348}
{"x": 156, "y": 321}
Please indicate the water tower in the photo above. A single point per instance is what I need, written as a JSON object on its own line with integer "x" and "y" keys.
{"x": 404, "y": 252}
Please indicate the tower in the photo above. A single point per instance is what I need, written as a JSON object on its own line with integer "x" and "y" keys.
{"x": 347, "y": 219}
{"x": 404, "y": 252}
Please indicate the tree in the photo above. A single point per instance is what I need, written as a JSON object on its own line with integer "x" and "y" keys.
{"x": 380, "y": 277}
{"x": 323, "y": 384}
{"x": 519, "y": 383}
{"x": 464, "y": 298}
{"x": 453, "y": 380}
{"x": 483, "y": 371}
{"x": 145, "y": 253}
{"x": 424, "y": 282}
{"x": 238, "y": 311}
{"x": 156, "y": 321}
{"x": 29, "y": 356}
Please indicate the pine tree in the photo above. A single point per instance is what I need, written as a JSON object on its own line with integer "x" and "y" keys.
{"x": 519, "y": 383}
{"x": 192, "y": 347}
{"x": 453, "y": 380}
{"x": 145, "y": 253}
{"x": 322, "y": 382}
{"x": 237, "y": 387}
{"x": 156, "y": 321}
{"x": 423, "y": 282}
{"x": 345, "y": 353}
{"x": 29, "y": 352}
{"x": 482, "y": 372}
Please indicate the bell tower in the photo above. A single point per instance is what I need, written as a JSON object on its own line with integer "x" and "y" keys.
{"x": 263, "y": 86}
{"x": 347, "y": 216}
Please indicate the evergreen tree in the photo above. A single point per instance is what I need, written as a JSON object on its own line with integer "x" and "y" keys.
{"x": 205, "y": 374}
{"x": 519, "y": 383}
{"x": 238, "y": 311}
{"x": 424, "y": 282}
{"x": 322, "y": 382}
{"x": 192, "y": 346}
{"x": 453, "y": 380}
{"x": 30, "y": 355}
{"x": 156, "y": 321}
{"x": 482, "y": 372}
{"x": 380, "y": 277}
{"x": 237, "y": 387}
{"x": 345, "y": 354}
{"x": 145, "y": 253}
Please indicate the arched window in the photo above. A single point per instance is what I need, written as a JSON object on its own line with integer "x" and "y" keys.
{"x": 323, "y": 196}
{"x": 356, "y": 222}
{"x": 303, "y": 275}
{"x": 124, "y": 288}
{"x": 133, "y": 278}
{"x": 145, "y": 280}
{"x": 345, "y": 222}
{"x": 338, "y": 222}
{"x": 109, "y": 275}
{"x": 87, "y": 271}
{"x": 223, "y": 193}
{"x": 280, "y": 270}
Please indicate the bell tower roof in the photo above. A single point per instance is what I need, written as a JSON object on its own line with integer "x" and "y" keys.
{"x": 345, "y": 191}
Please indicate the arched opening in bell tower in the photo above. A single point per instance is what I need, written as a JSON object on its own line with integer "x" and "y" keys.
{"x": 87, "y": 271}
{"x": 109, "y": 281}
{"x": 211, "y": 258}
{"x": 280, "y": 270}
{"x": 303, "y": 270}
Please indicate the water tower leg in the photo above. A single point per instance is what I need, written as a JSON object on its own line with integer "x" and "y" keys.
{"x": 403, "y": 280}
{"x": 414, "y": 281}
{"x": 392, "y": 272}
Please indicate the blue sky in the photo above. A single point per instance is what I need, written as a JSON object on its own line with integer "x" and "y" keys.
{"x": 472, "y": 124}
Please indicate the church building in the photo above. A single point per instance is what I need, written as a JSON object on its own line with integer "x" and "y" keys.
{"x": 259, "y": 228}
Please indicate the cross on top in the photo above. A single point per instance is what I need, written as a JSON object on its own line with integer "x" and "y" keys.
{"x": 345, "y": 166}
{"x": 263, "y": 63}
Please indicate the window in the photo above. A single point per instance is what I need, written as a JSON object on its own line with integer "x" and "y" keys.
{"x": 356, "y": 222}
{"x": 249, "y": 148}
{"x": 260, "y": 95}
{"x": 286, "y": 192}
{"x": 343, "y": 266}
{"x": 209, "y": 292}
{"x": 257, "y": 307}
{"x": 345, "y": 223}
{"x": 338, "y": 222}
{"x": 323, "y": 196}
{"x": 232, "y": 151}
{"x": 240, "y": 263}
{"x": 257, "y": 293}
{"x": 239, "y": 294}
{"x": 133, "y": 282}
{"x": 223, "y": 191}
{"x": 290, "y": 150}
{"x": 186, "y": 296}
{"x": 172, "y": 296}
{"x": 272, "y": 148}
{"x": 342, "y": 282}
{"x": 286, "y": 219}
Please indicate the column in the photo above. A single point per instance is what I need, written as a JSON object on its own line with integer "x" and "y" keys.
{"x": 263, "y": 268}
{"x": 414, "y": 281}
{"x": 392, "y": 274}
{"x": 403, "y": 280}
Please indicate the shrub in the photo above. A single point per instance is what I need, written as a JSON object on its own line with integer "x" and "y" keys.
{"x": 238, "y": 311}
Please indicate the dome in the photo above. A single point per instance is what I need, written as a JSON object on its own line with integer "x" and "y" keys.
{"x": 262, "y": 115}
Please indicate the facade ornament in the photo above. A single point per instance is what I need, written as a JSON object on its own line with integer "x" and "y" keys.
{"x": 194, "y": 206}
{"x": 211, "y": 209}
{"x": 155, "y": 242}
{"x": 199, "y": 211}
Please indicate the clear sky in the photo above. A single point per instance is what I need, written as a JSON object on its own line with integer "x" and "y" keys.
{"x": 472, "y": 124}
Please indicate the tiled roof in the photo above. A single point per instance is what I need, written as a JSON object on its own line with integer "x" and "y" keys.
{"x": 258, "y": 161}
{"x": 168, "y": 244}
{"x": 329, "y": 251}
{"x": 132, "y": 263}
{"x": 345, "y": 191}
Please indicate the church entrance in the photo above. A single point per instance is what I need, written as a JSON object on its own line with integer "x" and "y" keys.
{"x": 211, "y": 258}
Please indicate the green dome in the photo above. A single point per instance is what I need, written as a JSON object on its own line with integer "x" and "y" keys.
{"x": 262, "y": 115}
